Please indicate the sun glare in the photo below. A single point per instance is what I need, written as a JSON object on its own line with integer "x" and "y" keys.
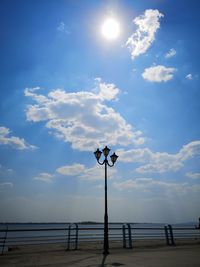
{"x": 110, "y": 29}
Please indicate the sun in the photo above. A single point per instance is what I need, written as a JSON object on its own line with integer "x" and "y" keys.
{"x": 110, "y": 29}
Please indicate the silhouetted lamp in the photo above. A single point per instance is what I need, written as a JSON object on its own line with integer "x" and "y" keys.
{"x": 97, "y": 154}
{"x": 113, "y": 158}
{"x": 106, "y": 151}
{"x": 105, "y": 162}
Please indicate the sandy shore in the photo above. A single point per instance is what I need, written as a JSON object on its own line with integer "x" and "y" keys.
{"x": 144, "y": 254}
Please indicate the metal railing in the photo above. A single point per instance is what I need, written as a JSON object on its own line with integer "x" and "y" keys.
{"x": 74, "y": 234}
{"x": 127, "y": 236}
{"x": 3, "y": 239}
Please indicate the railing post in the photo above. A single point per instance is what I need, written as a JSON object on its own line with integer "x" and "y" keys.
{"x": 4, "y": 241}
{"x": 171, "y": 235}
{"x": 124, "y": 235}
{"x": 127, "y": 227}
{"x": 76, "y": 239}
{"x": 129, "y": 235}
{"x": 69, "y": 236}
{"x": 167, "y": 235}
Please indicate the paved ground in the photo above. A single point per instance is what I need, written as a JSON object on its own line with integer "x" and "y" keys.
{"x": 186, "y": 255}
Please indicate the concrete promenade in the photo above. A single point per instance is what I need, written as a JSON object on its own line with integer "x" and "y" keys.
{"x": 142, "y": 255}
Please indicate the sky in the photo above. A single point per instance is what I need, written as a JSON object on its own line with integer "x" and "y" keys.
{"x": 66, "y": 89}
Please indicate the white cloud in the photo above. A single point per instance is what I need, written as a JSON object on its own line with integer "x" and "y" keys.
{"x": 62, "y": 28}
{"x": 130, "y": 184}
{"x": 94, "y": 173}
{"x": 170, "y": 53}
{"x": 107, "y": 91}
{"x": 189, "y": 76}
{"x": 97, "y": 172}
{"x": 147, "y": 25}
{"x": 80, "y": 171}
{"x": 158, "y": 186}
{"x": 36, "y": 97}
{"x": 15, "y": 142}
{"x": 193, "y": 175}
{"x": 160, "y": 162}
{"x": 5, "y": 185}
{"x": 83, "y": 118}
{"x": 158, "y": 73}
{"x": 5, "y": 171}
{"x": 71, "y": 170}
{"x": 45, "y": 177}
{"x": 190, "y": 150}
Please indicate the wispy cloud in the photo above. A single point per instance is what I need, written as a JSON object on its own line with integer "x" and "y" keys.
{"x": 77, "y": 170}
{"x": 5, "y": 171}
{"x": 84, "y": 118}
{"x": 71, "y": 170}
{"x": 193, "y": 175}
{"x": 6, "y": 185}
{"x": 97, "y": 173}
{"x": 81, "y": 171}
{"x": 189, "y": 76}
{"x": 63, "y": 28}
{"x": 147, "y": 24}
{"x": 45, "y": 177}
{"x": 160, "y": 162}
{"x": 158, "y": 73}
{"x": 170, "y": 53}
{"x": 13, "y": 141}
{"x": 158, "y": 186}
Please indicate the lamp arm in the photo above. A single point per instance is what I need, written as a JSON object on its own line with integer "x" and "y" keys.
{"x": 110, "y": 165}
{"x": 101, "y": 163}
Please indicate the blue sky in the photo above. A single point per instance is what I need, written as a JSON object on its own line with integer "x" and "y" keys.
{"x": 66, "y": 90}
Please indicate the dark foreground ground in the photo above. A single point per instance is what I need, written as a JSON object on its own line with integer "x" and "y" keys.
{"x": 144, "y": 254}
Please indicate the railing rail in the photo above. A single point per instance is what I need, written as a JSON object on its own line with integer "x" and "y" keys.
{"x": 126, "y": 234}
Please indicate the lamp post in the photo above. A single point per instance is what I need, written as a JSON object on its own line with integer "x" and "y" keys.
{"x": 105, "y": 162}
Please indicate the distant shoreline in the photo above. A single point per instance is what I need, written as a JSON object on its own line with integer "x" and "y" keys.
{"x": 85, "y": 223}
{"x": 93, "y": 222}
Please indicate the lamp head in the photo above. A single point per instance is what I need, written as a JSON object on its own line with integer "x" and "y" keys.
{"x": 113, "y": 158}
{"x": 106, "y": 151}
{"x": 97, "y": 154}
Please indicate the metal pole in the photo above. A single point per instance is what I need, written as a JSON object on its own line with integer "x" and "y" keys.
{"x": 106, "y": 244}
{"x": 113, "y": 158}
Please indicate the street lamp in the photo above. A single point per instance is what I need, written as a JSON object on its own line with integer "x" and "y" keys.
{"x": 105, "y": 162}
